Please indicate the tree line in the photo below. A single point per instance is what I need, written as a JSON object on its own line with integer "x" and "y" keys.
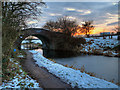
{"x": 69, "y": 27}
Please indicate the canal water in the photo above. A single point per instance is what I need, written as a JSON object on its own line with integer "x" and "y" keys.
{"x": 102, "y": 66}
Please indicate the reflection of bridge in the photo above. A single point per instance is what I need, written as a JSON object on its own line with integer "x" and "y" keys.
{"x": 47, "y": 37}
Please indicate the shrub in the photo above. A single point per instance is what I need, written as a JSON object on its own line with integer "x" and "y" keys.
{"x": 117, "y": 48}
{"x": 82, "y": 69}
{"x": 68, "y": 43}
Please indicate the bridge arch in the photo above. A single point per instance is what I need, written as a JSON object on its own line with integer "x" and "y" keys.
{"x": 49, "y": 38}
{"x": 43, "y": 34}
{"x": 45, "y": 41}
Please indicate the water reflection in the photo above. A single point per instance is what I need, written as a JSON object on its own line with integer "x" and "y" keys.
{"x": 59, "y": 54}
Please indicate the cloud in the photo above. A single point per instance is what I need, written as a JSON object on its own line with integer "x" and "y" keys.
{"x": 85, "y": 12}
{"x": 112, "y": 18}
{"x": 80, "y": 1}
{"x": 114, "y": 23}
{"x": 71, "y": 17}
{"x": 102, "y": 13}
{"x": 54, "y": 14}
{"x": 112, "y": 15}
{"x": 114, "y": 3}
{"x": 107, "y": 20}
{"x": 31, "y": 22}
{"x": 80, "y": 10}
{"x": 70, "y": 9}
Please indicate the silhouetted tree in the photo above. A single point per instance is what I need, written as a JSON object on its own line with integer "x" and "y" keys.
{"x": 117, "y": 30}
{"x": 64, "y": 25}
{"x": 68, "y": 27}
{"x": 87, "y": 27}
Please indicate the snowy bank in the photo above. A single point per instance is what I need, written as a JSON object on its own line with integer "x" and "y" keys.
{"x": 73, "y": 77}
{"x": 100, "y": 46}
{"x": 21, "y": 79}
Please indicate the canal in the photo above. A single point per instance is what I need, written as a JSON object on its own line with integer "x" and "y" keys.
{"x": 102, "y": 66}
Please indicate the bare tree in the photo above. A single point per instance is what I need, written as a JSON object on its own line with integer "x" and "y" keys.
{"x": 51, "y": 25}
{"x": 87, "y": 27}
{"x": 14, "y": 15}
{"x": 64, "y": 25}
{"x": 117, "y": 29}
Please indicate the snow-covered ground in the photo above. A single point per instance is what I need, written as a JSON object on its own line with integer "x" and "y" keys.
{"x": 73, "y": 77}
{"x": 100, "y": 46}
{"x": 21, "y": 79}
{"x": 33, "y": 41}
{"x": 23, "y": 47}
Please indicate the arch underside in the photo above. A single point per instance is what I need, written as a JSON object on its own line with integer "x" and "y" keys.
{"x": 45, "y": 41}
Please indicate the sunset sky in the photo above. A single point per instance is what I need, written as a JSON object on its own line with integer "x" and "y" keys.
{"x": 104, "y": 14}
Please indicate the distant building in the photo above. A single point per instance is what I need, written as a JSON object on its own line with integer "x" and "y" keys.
{"x": 105, "y": 33}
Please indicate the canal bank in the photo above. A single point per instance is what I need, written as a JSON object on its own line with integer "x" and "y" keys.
{"x": 99, "y": 66}
{"x": 71, "y": 76}
{"x": 43, "y": 77}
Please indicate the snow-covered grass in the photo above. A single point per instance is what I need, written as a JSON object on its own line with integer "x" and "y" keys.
{"x": 36, "y": 43}
{"x": 23, "y": 47}
{"x": 20, "y": 79}
{"x": 100, "y": 46}
{"x": 20, "y": 56}
{"x": 73, "y": 77}
{"x": 102, "y": 42}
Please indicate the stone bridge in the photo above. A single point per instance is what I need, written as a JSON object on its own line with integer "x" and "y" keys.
{"x": 47, "y": 37}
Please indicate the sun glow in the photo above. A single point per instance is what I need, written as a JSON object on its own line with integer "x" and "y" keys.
{"x": 98, "y": 30}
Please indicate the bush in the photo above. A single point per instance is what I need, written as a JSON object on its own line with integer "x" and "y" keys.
{"x": 118, "y": 37}
{"x": 117, "y": 48}
{"x": 68, "y": 43}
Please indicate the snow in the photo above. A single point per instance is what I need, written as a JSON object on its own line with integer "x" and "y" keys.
{"x": 69, "y": 75}
{"x": 17, "y": 80}
{"x": 21, "y": 37}
{"x": 20, "y": 56}
{"x": 22, "y": 47}
{"x": 103, "y": 42}
{"x": 99, "y": 45}
{"x": 27, "y": 41}
{"x": 20, "y": 80}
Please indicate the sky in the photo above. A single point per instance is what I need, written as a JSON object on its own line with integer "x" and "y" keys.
{"x": 103, "y": 14}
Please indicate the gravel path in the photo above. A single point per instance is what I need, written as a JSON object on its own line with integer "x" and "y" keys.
{"x": 43, "y": 77}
